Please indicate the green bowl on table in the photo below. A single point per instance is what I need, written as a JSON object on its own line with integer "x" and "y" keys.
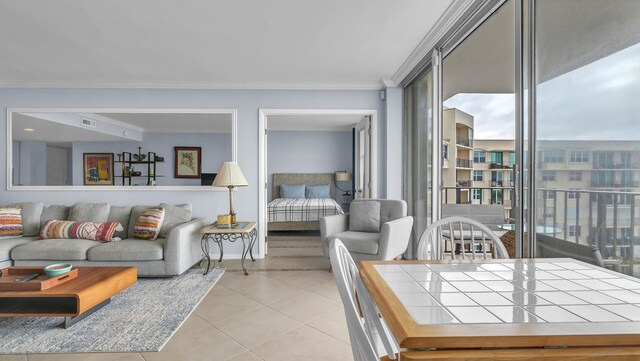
{"x": 57, "y": 269}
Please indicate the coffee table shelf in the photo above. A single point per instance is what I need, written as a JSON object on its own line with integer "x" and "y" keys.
{"x": 75, "y": 299}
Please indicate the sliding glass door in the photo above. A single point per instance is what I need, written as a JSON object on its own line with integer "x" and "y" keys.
{"x": 587, "y": 130}
{"x": 418, "y": 153}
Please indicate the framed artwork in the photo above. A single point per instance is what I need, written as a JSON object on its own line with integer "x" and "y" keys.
{"x": 97, "y": 169}
{"x": 187, "y": 162}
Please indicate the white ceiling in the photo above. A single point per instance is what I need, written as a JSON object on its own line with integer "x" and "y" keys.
{"x": 52, "y": 132}
{"x": 313, "y": 122}
{"x": 298, "y": 44}
{"x": 175, "y": 122}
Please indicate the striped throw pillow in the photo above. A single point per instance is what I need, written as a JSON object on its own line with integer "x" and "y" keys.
{"x": 149, "y": 223}
{"x": 94, "y": 231}
{"x": 11, "y": 222}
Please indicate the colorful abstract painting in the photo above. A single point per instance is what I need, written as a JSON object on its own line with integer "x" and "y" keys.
{"x": 98, "y": 169}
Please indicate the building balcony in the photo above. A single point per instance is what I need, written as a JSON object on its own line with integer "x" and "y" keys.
{"x": 464, "y": 141}
{"x": 463, "y": 163}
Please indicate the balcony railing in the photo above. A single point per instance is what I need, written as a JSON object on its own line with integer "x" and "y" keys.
{"x": 605, "y": 219}
{"x": 499, "y": 166}
{"x": 463, "y": 163}
{"x": 476, "y": 195}
{"x": 464, "y": 141}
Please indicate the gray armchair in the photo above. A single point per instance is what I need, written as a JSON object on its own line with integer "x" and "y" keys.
{"x": 377, "y": 229}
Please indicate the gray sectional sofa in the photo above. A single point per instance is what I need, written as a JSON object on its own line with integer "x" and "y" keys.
{"x": 176, "y": 249}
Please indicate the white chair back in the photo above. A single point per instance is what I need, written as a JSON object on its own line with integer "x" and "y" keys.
{"x": 451, "y": 231}
{"x": 369, "y": 335}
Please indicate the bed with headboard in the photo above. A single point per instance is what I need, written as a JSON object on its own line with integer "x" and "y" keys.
{"x": 300, "y": 214}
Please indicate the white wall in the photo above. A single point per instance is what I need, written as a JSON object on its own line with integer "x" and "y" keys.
{"x": 308, "y": 152}
{"x": 205, "y": 203}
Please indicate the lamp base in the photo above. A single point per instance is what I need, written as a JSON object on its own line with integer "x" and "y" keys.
{"x": 233, "y": 219}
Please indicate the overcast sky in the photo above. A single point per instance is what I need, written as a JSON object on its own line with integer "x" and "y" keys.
{"x": 599, "y": 101}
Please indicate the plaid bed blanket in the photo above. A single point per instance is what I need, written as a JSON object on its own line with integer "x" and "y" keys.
{"x": 302, "y": 210}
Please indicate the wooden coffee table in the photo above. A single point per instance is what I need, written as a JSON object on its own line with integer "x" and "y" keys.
{"x": 73, "y": 300}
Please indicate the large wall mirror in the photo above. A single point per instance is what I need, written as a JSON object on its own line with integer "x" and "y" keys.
{"x": 142, "y": 149}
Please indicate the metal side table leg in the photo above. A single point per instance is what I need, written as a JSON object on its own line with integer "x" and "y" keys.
{"x": 245, "y": 250}
{"x": 253, "y": 236}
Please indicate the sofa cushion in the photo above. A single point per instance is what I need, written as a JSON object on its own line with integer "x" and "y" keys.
{"x": 358, "y": 242}
{"x": 11, "y": 222}
{"x": 31, "y": 212}
{"x": 122, "y": 215}
{"x": 95, "y": 231}
{"x": 130, "y": 249}
{"x": 364, "y": 216}
{"x": 54, "y": 250}
{"x": 149, "y": 223}
{"x": 92, "y": 212}
{"x": 54, "y": 212}
{"x": 174, "y": 215}
{"x": 6, "y": 245}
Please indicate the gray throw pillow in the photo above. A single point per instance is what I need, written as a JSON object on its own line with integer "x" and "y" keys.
{"x": 91, "y": 212}
{"x": 174, "y": 215}
{"x": 364, "y": 216}
{"x": 31, "y": 212}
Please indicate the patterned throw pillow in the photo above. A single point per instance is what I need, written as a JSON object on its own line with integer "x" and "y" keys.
{"x": 149, "y": 223}
{"x": 94, "y": 231}
{"x": 11, "y": 222}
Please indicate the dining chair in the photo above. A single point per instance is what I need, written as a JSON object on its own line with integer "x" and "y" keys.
{"x": 442, "y": 237}
{"x": 370, "y": 337}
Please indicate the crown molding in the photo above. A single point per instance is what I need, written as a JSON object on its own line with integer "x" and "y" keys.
{"x": 374, "y": 85}
{"x": 387, "y": 83}
{"x": 454, "y": 12}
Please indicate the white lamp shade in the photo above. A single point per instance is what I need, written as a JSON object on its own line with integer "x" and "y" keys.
{"x": 343, "y": 176}
{"x": 230, "y": 174}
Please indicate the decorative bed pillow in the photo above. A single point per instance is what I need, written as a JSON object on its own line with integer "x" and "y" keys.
{"x": 364, "y": 216}
{"x": 11, "y": 222}
{"x": 322, "y": 191}
{"x": 149, "y": 223}
{"x": 292, "y": 191}
{"x": 93, "y": 231}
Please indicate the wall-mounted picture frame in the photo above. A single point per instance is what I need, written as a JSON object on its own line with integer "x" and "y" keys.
{"x": 97, "y": 169}
{"x": 187, "y": 162}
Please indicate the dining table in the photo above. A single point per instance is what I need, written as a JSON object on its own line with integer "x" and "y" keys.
{"x": 506, "y": 309}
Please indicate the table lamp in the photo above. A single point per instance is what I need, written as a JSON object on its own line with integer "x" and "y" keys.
{"x": 230, "y": 176}
{"x": 343, "y": 176}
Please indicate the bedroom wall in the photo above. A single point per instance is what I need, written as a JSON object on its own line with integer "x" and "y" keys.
{"x": 307, "y": 152}
{"x": 205, "y": 203}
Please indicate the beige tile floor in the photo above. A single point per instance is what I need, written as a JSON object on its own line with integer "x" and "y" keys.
{"x": 295, "y": 314}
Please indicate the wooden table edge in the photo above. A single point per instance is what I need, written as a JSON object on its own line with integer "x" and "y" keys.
{"x": 410, "y": 334}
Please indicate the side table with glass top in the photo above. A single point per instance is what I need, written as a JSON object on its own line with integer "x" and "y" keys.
{"x": 245, "y": 231}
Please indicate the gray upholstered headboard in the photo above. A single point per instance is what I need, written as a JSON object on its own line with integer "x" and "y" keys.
{"x": 312, "y": 179}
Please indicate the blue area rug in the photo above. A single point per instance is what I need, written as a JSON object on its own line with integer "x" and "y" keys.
{"x": 141, "y": 318}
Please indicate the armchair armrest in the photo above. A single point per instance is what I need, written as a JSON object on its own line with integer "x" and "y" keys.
{"x": 182, "y": 247}
{"x": 394, "y": 237}
{"x": 332, "y": 225}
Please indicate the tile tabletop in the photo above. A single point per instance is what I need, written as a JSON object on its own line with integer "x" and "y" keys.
{"x": 534, "y": 291}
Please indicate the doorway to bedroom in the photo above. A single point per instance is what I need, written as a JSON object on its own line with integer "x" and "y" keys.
{"x": 313, "y": 163}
